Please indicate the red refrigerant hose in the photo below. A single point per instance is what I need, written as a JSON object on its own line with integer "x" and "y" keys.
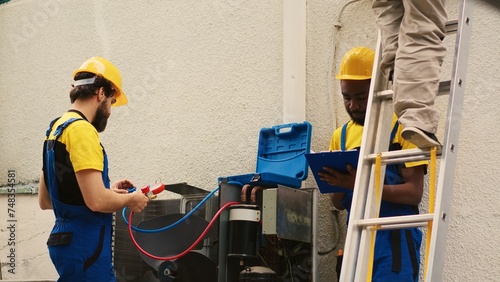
{"x": 188, "y": 249}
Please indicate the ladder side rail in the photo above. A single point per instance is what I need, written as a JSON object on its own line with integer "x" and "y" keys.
{"x": 449, "y": 156}
{"x": 362, "y": 180}
{"x": 351, "y": 247}
{"x": 381, "y": 144}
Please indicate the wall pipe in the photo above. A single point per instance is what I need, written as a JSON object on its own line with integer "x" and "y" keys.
{"x": 336, "y": 26}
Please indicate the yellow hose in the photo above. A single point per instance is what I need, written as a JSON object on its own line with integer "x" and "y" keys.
{"x": 432, "y": 196}
{"x": 378, "y": 190}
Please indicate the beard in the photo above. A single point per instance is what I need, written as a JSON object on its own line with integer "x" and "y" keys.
{"x": 360, "y": 121}
{"x": 101, "y": 117}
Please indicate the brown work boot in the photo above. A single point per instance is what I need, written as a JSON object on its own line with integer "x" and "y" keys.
{"x": 420, "y": 138}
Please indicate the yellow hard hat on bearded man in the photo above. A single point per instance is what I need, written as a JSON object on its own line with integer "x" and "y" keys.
{"x": 98, "y": 65}
{"x": 357, "y": 64}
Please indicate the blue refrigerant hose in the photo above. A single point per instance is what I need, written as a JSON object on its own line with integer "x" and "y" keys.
{"x": 175, "y": 223}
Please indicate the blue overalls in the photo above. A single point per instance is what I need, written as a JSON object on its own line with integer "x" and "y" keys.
{"x": 80, "y": 241}
{"x": 401, "y": 264}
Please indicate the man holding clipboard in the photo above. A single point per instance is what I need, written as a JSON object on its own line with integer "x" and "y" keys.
{"x": 397, "y": 252}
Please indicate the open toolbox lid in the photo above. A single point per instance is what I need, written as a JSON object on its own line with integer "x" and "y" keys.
{"x": 280, "y": 157}
{"x": 282, "y": 150}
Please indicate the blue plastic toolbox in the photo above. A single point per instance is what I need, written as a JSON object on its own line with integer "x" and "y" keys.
{"x": 280, "y": 157}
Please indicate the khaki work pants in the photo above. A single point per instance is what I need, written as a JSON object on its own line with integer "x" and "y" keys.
{"x": 412, "y": 33}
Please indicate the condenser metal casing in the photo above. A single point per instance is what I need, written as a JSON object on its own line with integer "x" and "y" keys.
{"x": 287, "y": 213}
{"x": 129, "y": 265}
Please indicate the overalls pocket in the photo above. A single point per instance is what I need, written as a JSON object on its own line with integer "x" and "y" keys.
{"x": 60, "y": 239}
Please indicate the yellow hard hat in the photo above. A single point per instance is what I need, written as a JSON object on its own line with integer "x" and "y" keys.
{"x": 98, "y": 65}
{"x": 357, "y": 64}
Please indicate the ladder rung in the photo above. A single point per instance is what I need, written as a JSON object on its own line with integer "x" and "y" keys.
{"x": 451, "y": 26}
{"x": 384, "y": 94}
{"x": 397, "y": 222}
{"x": 444, "y": 89}
{"x": 402, "y": 226}
{"x": 403, "y": 156}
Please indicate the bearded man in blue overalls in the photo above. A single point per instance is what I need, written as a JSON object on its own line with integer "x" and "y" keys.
{"x": 397, "y": 252}
{"x": 74, "y": 181}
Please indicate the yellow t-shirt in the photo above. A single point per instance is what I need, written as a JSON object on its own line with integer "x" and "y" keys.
{"x": 82, "y": 143}
{"x": 354, "y": 133}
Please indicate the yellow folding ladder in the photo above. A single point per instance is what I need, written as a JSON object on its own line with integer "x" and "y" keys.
{"x": 364, "y": 220}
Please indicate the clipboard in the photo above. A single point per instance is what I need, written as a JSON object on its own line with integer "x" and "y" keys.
{"x": 334, "y": 159}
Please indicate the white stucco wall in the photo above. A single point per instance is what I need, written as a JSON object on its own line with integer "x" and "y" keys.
{"x": 202, "y": 78}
